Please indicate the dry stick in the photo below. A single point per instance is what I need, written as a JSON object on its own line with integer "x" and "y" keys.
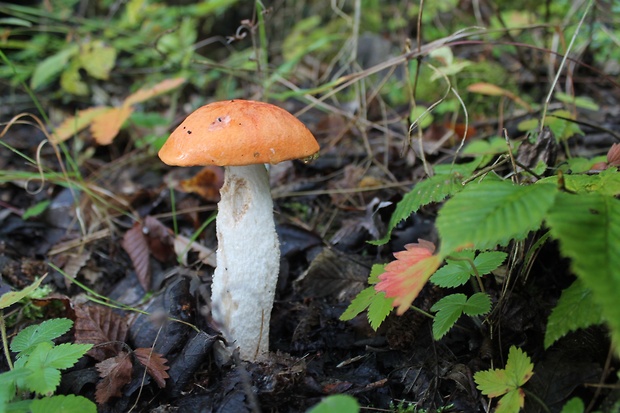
{"x": 559, "y": 72}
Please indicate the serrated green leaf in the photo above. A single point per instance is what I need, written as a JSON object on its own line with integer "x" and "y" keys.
{"x": 380, "y": 307}
{"x": 451, "y": 275}
{"x": 8, "y": 382}
{"x": 512, "y": 402}
{"x": 519, "y": 368}
{"x": 358, "y": 304}
{"x": 50, "y": 68}
{"x": 492, "y": 383}
{"x": 488, "y": 261}
{"x": 605, "y": 183}
{"x": 588, "y": 229}
{"x": 477, "y": 304}
{"x": 584, "y": 102}
{"x": 13, "y": 297}
{"x": 375, "y": 272}
{"x": 66, "y": 355}
{"x": 40, "y": 333}
{"x": 43, "y": 379}
{"x": 448, "y": 309}
{"x": 575, "y": 309}
{"x": 36, "y": 210}
{"x": 433, "y": 189}
{"x": 574, "y": 405}
{"x": 492, "y": 212}
{"x": 63, "y": 404}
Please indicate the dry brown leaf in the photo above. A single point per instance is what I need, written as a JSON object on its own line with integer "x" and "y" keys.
{"x": 75, "y": 262}
{"x": 116, "y": 372}
{"x": 154, "y": 363}
{"x": 136, "y": 245}
{"x": 74, "y": 124}
{"x": 106, "y": 126}
{"x": 158, "y": 89}
{"x": 96, "y": 324}
{"x": 613, "y": 155}
{"x": 159, "y": 239}
{"x": 206, "y": 183}
{"x": 182, "y": 245}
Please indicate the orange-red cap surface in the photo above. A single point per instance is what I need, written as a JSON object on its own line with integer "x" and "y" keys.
{"x": 238, "y": 132}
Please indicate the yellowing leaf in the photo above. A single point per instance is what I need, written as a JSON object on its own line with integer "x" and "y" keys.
{"x": 106, "y": 126}
{"x": 493, "y": 383}
{"x": 10, "y": 298}
{"x": 489, "y": 89}
{"x": 74, "y": 124}
{"x": 71, "y": 81}
{"x": 158, "y": 89}
{"x": 404, "y": 278}
{"x": 97, "y": 59}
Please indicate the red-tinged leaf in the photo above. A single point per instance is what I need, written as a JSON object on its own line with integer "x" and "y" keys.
{"x": 159, "y": 239}
{"x": 148, "y": 93}
{"x": 98, "y": 325}
{"x": 154, "y": 363}
{"x": 73, "y": 125}
{"x": 106, "y": 126}
{"x": 404, "y": 278}
{"x": 116, "y": 372}
{"x": 135, "y": 243}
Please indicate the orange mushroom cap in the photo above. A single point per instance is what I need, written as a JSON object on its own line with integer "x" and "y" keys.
{"x": 238, "y": 132}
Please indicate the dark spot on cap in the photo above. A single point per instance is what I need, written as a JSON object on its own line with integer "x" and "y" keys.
{"x": 189, "y": 132}
{"x": 256, "y": 154}
{"x": 219, "y": 120}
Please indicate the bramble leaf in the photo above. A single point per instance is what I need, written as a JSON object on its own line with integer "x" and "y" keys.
{"x": 575, "y": 309}
{"x": 40, "y": 333}
{"x": 404, "y": 278}
{"x": 458, "y": 270}
{"x": 494, "y": 383}
{"x": 493, "y": 212}
{"x": 378, "y": 305}
{"x": 574, "y": 405}
{"x": 588, "y": 229}
{"x": 433, "y": 189}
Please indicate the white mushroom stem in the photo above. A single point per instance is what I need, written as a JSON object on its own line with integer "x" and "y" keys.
{"x": 248, "y": 260}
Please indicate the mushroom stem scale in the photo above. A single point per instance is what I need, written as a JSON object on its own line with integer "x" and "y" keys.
{"x": 248, "y": 260}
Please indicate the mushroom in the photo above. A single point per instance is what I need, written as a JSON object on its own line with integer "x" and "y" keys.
{"x": 242, "y": 136}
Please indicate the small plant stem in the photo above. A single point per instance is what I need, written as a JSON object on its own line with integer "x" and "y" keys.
{"x": 419, "y": 310}
{"x": 474, "y": 269}
{"x": 5, "y": 342}
{"x": 538, "y": 400}
{"x": 485, "y": 170}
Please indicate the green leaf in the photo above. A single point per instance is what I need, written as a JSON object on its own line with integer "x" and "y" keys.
{"x": 337, "y": 403}
{"x": 375, "y": 272}
{"x": 584, "y": 102}
{"x": 43, "y": 379}
{"x": 450, "y": 308}
{"x": 40, "y": 333}
{"x": 588, "y": 229}
{"x": 13, "y": 297}
{"x": 422, "y": 116}
{"x": 488, "y": 261}
{"x": 36, "y": 209}
{"x": 492, "y": 212}
{"x": 574, "y": 405}
{"x": 71, "y": 80}
{"x": 8, "y": 382}
{"x": 63, "y": 404}
{"x": 66, "y": 355}
{"x": 453, "y": 274}
{"x": 494, "y": 383}
{"x": 605, "y": 183}
{"x": 359, "y": 304}
{"x": 50, "y": 68}
{"x": 97, "y": 59}
{"x": 380, "y": 307}
{"x": 575, "y": 309}
{"x": 433, "y": 189}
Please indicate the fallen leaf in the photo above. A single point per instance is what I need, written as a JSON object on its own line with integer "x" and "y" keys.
{"x": 489, "y": 89}
{"x": 182, "y": 245}
{"x": 116, "y": 372}
{"x": 404, "y": 278}
{"x": 613, "y": 155}
{"x": 206, "y": 183}
{"x": 158, "y": 89}
{"x": 106, "y": 126}
{"x": 136, "y": 245}
{"x": 74, "y": 124}
{"x": 154, "y": 363}
{"x": 159, "y": 239}
{"x": 97, "y": 325}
